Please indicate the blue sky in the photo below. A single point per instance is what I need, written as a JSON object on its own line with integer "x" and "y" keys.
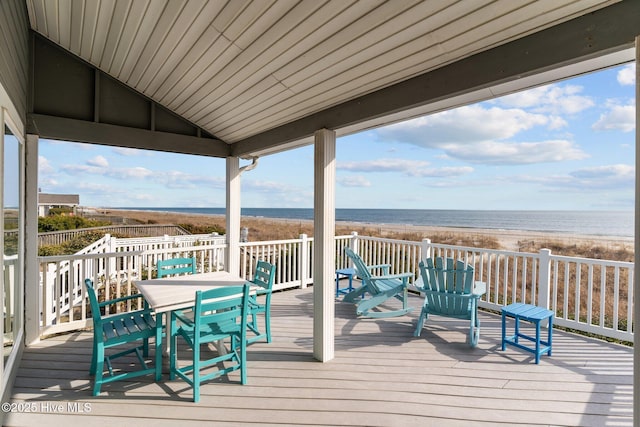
{"x": 565, "y": 146}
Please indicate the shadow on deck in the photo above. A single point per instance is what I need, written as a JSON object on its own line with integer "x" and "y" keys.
{"x": 381, "y": 376}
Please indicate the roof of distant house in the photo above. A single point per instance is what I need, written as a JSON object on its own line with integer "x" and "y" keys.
{"x": 58, "y": 199}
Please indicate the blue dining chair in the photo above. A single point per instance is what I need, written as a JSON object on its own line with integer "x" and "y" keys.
{"x": 132, "y": 327}
{"x": 218, "y": 314}
{"x": 173, "y": 266}
{"x": 260, "y": 303}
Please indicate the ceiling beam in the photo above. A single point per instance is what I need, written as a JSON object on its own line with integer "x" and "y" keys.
{"x": 52, "y": 127}
{"x": 604, "y": 31}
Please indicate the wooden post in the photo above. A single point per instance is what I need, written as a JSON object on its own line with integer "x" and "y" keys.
{"x": 304, "y": 260}
{"x": 425, "y": 247}
{"x": 232, "y": 255}
{"x": 544, "y": 279}
{"x": 324, "y": 244}
{"x": 33, "y": 294}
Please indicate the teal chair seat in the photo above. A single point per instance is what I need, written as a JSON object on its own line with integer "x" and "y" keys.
{"x": 116, "y": 330}
{"x": 260, "y": 303}
{"x": 218, "y": 314}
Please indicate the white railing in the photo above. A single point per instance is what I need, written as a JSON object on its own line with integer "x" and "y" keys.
{"x": 293, "y": 260}
{"x": 59, "y": 237}
{"x": 208, "y": 249}
{"x": 63, "y": 304}
{"x": 403, "y": 256}
{"x": 586, "y": 294}
{"x": 10, "y": 270}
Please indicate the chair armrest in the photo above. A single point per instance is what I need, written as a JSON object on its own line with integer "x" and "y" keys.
{"x": 385, "y": 267}
{"x": 121, "y": 299}
{"x": 178, "y": 315}
{"x": 479, "y": 289}
{"x": 393, "y": 276}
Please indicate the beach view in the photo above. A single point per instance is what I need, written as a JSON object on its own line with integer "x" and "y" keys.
{"x": 321, "y": 213}
{"x": 616, "y": 247}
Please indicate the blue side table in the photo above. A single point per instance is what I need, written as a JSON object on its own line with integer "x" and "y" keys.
{"x": 341, "y": 273}
{"x": 530, "y": 313}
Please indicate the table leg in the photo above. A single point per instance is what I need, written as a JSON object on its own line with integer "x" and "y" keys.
{"x": 549, "y": 336}
{"x": 537, "y": 342}
{"x": 504, "y": 332}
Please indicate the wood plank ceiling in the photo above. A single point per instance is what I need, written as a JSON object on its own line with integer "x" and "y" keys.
{"x": 237, "y": 68}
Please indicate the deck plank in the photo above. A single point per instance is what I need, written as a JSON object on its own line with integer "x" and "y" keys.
{"x": 381, "y": 376}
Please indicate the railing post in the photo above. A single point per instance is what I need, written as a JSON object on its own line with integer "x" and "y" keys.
{"x": 304, "y": 260}
{"x": 544, "y": 280}
{"x": 425, "y": 248}
{"x": 353, "y": 243}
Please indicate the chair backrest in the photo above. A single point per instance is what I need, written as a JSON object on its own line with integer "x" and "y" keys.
{"x": 361, "y": 268}
{"x": 445, "y": 282}
{"x": 264, "y": 275}
{"x": 93, "y": 301}
{"x": 226, "y": 304}
{"x": 176, "y": 266}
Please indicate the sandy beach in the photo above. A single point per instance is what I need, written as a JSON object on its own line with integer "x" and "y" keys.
{"x": 275, "y": 229}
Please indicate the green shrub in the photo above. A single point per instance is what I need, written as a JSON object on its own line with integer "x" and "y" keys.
{"x": 203, "y": 229}
{"x": 66, "y": 222}
{"x": 71, "y": 246}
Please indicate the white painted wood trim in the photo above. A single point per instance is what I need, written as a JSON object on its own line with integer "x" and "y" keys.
{"x": 31, "y": 276}
{"x": 324, "y": 245}
{"x": 233, "y": 215}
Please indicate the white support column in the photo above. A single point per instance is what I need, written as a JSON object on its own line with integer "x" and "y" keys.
{"x": 232, "y": 256}
{"x": 324, "y": 244}
{"x": 636, "y": 276}
{"x": 33, "y": 293}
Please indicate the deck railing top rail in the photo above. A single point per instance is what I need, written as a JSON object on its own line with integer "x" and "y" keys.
{"x": 591, "y": 295}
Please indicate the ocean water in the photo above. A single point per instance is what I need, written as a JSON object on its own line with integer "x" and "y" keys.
{"x": 598, "y": 223}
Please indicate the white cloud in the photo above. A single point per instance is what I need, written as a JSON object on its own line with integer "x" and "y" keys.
{"x": 417, "y": 168}
{"x": 383, "y": 165}
{"x": 267, "y": 186}
{"x": 550, "y": 99}
{"x": 98, "y": 161}
{"x": 44, "y": 166}
{"x": 131, "y": 152}
{"x": 353, "y": 181}
{"x": 465, "y": 124}
{"x": 137, "y": 172}
{"x": 607, "y": 177}
{"x": 619, "y": 117}
{"x": 443, "y": 172}
{"x": 492, "y": 152}
{"x": 478, "y": 135}
{"x": 627, "y": 75}
{"x": 557, "y": 122}
{"x": 47, "y": 182}
{"x": 97, "y": 188}
{"x": 618, "y": 172}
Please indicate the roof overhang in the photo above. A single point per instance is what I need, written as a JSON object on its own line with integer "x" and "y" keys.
{"x": 123, "y": 91}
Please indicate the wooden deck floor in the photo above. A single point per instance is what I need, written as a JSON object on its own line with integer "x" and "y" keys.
{"x": 381, "y": 376}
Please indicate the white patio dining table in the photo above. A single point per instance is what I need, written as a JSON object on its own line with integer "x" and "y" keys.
{"x": 179, "y": 292}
